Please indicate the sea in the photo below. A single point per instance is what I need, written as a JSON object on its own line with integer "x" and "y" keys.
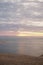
{"x": 21, "y": 45}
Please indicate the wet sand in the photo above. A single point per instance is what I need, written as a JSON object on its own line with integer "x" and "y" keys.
{"x": 11, "y": 59}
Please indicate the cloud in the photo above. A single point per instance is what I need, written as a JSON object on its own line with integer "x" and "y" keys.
{"x": 26, "y": 10}
{"x": 22, "y": 16}
{"x": 10, "y": 1}
{"x": 7, "y": 0}
{"x": 32, "y": 0}
{"x": 40, "y": 0}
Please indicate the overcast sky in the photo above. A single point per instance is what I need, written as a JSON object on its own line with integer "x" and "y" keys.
{"x": 21, "y": 15}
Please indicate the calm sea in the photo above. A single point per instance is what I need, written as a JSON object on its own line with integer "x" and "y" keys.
{"x": 21, "y": 45}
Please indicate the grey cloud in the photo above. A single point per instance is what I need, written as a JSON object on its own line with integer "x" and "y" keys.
{"x": 16, "y": 12}
{"x": 32, "y": 0}
{"x": 20, "y": 27}
{"x": 29, "y": 12}
{"x": 10, "y": 11}
{"x": 9, "y": 27}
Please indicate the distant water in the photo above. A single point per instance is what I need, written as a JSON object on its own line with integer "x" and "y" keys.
{"x": 21, "y": 45}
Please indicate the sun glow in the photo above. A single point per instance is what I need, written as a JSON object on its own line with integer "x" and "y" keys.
{"x": 30, "y": 34}
{"x": 20, "y": 33}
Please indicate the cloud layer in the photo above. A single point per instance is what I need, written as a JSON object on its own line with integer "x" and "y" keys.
{"x": 23, "y": 15}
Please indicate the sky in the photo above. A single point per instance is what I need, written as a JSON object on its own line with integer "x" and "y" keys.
{"x": 21, "y": 17}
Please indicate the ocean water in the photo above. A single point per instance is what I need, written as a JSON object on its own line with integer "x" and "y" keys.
{"x": 21, "y": 45}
